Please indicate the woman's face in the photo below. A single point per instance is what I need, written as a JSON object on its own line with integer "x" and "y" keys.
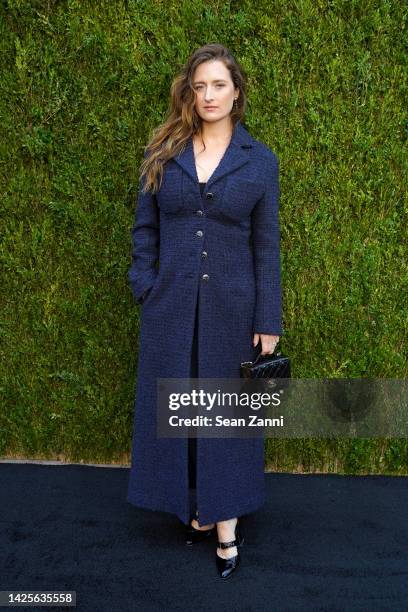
{"x": 214, "y": 88}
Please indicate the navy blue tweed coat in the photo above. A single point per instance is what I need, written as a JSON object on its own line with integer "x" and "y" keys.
{"x": 223, "y": 250}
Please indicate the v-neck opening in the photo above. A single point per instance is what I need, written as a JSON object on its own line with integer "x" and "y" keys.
{"x": 219, "y": 163}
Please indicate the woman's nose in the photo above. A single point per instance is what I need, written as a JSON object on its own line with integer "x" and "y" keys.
{"x": 208, "y": 96}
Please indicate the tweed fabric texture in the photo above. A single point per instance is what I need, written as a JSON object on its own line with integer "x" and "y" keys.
{"x": 220, "y": 248}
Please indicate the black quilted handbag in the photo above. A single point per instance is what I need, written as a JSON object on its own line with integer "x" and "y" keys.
{"x": 266, "y": 368}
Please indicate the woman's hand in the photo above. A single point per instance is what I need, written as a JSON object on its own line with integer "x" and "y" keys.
{"x": 268, "y": 342}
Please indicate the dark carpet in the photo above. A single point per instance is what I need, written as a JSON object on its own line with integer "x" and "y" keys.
{"x": 321, "y": 543}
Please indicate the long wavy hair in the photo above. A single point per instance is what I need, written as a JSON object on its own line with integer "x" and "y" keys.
{"x": 182, "y": 121}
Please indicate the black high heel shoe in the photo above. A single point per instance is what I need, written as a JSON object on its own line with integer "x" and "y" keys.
{"x": 227, "y": 566}
{"x": 193, "y": 535}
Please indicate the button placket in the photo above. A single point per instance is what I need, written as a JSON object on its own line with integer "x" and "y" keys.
{"x": 205, "y": 277}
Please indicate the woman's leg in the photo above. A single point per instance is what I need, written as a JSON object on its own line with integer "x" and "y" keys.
{"x": 226, "y": 533}
{"x": 225, "y": 529}
{"x": 192, "y": 442}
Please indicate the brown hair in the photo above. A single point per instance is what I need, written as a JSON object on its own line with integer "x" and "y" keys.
{"x": 182, "y": 120}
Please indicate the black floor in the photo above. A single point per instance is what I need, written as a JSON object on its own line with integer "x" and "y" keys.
{"x": 322, "y": 542}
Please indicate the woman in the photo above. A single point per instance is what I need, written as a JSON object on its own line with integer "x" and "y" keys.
{"x": 207, "y": 213}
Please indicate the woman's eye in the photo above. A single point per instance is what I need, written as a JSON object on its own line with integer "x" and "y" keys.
{"x": 200, "y": 86}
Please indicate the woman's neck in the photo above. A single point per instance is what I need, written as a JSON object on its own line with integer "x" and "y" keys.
{"x": 216, "y": 134}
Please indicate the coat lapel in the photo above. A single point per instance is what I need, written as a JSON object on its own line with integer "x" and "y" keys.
{"x": 235, "y": 156}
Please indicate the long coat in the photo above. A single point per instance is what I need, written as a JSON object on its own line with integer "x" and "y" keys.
{"x": 223, "y": 250}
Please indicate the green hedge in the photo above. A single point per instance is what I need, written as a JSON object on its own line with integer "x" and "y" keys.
{"x": 83, "y": 84}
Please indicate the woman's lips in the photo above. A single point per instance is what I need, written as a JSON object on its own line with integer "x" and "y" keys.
{"x": 210, "y": 107}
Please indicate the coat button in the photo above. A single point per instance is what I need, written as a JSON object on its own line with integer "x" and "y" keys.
{"x": 199, "y": 233}
{"x": 204, "y": 254}
{"x": 209, "y": 195}
{"x": 205, "y": 277}
{"x": 200, "y": 213}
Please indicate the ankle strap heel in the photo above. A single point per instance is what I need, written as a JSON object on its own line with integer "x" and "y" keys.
{"x": 239, "y": 540}
{"x": 226, "y": 567}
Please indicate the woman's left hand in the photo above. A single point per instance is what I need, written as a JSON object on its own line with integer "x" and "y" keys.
{"x": 268, "y": 342}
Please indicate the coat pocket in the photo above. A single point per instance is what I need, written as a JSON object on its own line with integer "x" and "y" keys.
{"x": 169, "y": 196}
{"x": 149, "y": 294}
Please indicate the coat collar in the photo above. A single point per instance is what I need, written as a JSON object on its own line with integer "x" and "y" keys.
{"x": 235, "y": 156}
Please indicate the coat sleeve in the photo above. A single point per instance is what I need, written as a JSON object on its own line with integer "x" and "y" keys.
{"x": 266, "y": 250}
{"x": 145, "y": 244}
